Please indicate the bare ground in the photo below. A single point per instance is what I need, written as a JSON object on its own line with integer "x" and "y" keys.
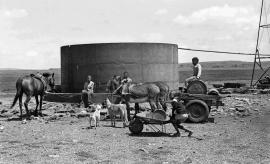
{"x": 234, "y": 137}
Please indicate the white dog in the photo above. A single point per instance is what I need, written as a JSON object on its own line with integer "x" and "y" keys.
{"x": 95, "y": 116}
{"x": 115, "y": 109}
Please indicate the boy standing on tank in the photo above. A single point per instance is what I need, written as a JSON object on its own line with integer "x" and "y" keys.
{"x": 197, "y": 71}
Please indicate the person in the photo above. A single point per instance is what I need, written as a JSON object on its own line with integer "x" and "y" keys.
{"x": 113, "y": 84}
{"x": 87, "y": 92}
{"x": 125, "y": 80}
{"x": 178, "y": 116}
{"x": 125, "y": 84}
{"x": 197, "y": 71}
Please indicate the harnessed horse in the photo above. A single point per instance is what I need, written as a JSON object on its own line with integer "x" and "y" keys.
{"x": 33, "y": 85}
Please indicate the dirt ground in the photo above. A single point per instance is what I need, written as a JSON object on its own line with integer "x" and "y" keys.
{"x": 239, "y": 132}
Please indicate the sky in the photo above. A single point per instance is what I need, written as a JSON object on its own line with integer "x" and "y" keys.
{"x": 32, "y": 31}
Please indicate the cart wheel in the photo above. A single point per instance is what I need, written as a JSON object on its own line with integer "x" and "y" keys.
{"x": 198, "y": 110}
{"x": 135, "y": 126}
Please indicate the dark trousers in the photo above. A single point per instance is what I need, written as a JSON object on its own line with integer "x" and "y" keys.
{"x": 87, "y": 98}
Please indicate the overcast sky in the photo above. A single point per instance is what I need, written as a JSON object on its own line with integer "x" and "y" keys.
{"x": 32, "y": 31}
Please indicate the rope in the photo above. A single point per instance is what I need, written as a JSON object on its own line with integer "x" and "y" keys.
{"x": 221, "y": 52}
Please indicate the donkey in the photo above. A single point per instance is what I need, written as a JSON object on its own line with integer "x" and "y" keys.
{"x": 33, "y": 85}
{"x": 163, "y": 94}
{"x": 152, "y": 92}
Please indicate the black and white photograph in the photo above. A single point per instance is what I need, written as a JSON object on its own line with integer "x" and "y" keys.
{"x": 135, "y": 81}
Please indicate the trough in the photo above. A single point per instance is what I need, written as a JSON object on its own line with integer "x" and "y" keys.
{"x": 76, "y": 97}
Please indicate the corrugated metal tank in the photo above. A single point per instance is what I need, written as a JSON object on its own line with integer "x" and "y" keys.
{"x": 145, "y": 62}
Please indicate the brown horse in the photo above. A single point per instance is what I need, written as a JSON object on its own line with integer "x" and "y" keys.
{"x": 152, "y": 92}
{"x": 33, "y": 85}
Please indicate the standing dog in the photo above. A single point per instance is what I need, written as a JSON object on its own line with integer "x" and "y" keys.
{"x": 115, "y": 109}
{"x": 95, "y": 116}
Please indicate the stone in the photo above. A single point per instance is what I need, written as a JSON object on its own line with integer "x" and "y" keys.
{"x": 2, "y": 128}
{"x": 54, "y": 117}
{"x": 187, "y": 161}
{"x": 24, "y": 121}
{"x": 79, "y": 115}
{"x": 75, "y": 141}
{"x": 4, "y": 111}
{"x": 220, "y": 110}
{"x": 54, "y": 156}
{"x": 47, "y": 112}
{"x": 265, "y": 91}
{"x": 241, "y": 109}
{"x": 144, "y": 150}
{"x": 60, "y": 114}
{"x": 14, "y": 112}
{"x": 239, "y": 105}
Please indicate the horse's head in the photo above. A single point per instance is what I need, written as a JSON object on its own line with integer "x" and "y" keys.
{"x": 50, "y": 79}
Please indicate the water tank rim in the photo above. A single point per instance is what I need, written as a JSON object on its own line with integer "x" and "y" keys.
{"x": 115, "y": 43}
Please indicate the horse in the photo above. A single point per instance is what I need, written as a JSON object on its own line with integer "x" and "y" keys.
{"x": 151, "y": 92}
{"x": 33, "y": 85}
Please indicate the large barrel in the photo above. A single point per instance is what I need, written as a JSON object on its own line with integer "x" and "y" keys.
{"x": 145, "y": 62}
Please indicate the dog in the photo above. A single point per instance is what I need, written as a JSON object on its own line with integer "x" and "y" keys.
{"x": 95, "y": 117}
{"x": 117, "y": 109}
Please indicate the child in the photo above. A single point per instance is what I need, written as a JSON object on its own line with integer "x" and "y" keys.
{"x": 197, "y": 71}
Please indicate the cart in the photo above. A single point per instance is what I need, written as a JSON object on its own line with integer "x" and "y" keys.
{"x": 151, "y": 119}
{"x": 197, "y": 105}
{"x": 198, "y": 100}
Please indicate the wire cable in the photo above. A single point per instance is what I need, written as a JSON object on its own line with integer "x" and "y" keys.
{"x": 221, "y": 52}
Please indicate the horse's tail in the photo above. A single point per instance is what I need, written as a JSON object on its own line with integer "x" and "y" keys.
{"x": 18, "y": 93}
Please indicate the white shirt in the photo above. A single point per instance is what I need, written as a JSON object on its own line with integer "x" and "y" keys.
{"x": 90, "y": 86}
{"x": 129, "y": 80}
{"x": 198, "y": 70}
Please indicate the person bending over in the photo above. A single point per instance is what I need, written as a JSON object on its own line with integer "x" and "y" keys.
{"x": 179, "y": 115}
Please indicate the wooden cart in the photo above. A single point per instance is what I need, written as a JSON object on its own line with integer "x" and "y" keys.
{"x": 198, "y": 100}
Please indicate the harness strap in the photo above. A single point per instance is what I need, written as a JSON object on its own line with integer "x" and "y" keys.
{"x": 40, "y": 77}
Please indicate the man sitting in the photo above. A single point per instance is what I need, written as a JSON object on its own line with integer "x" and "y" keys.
{"x": 87, "y": 91}
{"x": 197, "y": 71}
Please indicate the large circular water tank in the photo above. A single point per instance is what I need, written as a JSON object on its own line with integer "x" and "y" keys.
{"x": 145, "y": 62}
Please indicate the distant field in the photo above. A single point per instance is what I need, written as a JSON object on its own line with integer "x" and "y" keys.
{"x": 8, "y": 77}
{"x": 221, "y": 75}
